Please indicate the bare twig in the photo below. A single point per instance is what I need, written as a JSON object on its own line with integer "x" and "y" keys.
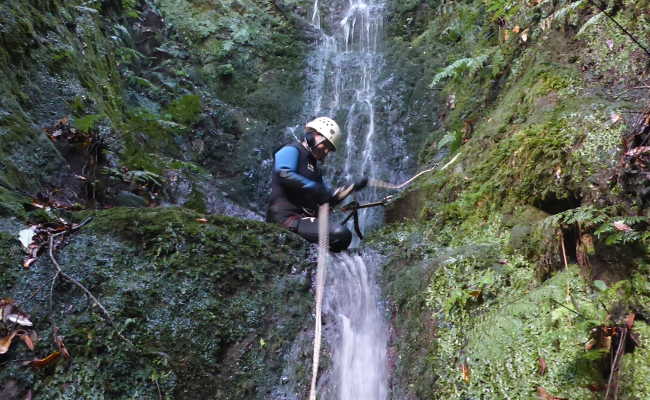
{"x": 76, "y": 282}
{"x": 566, "y": 264}
{"x": 570, "y": 309}
{"x": 614, "y": 367}
{"x": 160, "y": 396}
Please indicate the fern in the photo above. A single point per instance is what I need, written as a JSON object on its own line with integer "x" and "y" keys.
{"x": 562, "y": 13}
{"x": 458, "y": 67}
{"x": 592, "y": 21}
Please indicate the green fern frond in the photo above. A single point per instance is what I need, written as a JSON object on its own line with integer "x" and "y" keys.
{"x": 458, "y": 67}
{"x": 592, "y": 21}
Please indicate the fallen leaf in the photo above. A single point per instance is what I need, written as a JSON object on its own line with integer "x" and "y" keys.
{"x": 5, "y": 342}
{"x": 590, "y": 344}
{"x": 27, "y": 339}
{"x": 26, "y": 236}
{"x": 202, "y": 220}
{"x": 629, "y": 320}
{"x": 638, "y": 150}
{"x": 516, "y": 29}
{"x": 622, "y": 226}
{"x": 544, "y": 395}
{"x": 474, "y": 293}
{"x": 19, "y": 318}
{"x": 29, "y": 261}
{"x": 524, "y": 36}
{"x": 58, "y": 340}
{"x": 542, "y": 366}
{"x": 465, "y": 372}
{"x": 44, "y": 361}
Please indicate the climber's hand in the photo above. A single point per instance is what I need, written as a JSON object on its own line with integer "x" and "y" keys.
{"x": 361, "y": 183}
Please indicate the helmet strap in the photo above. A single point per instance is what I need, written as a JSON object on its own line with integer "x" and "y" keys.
{"x": 310, "y": 138}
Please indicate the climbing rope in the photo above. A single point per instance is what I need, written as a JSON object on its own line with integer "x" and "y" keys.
{"x": 321, "y": 272}
{"x": 387, "y": 185}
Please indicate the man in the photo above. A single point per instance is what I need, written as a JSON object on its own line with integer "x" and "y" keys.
{"x": 297, "y": 187}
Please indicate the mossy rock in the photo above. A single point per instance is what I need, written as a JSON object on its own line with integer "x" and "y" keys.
{"x": 209, "y": 307}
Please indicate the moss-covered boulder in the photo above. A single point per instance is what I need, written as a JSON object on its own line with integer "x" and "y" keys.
{"x": 199, "y": 308}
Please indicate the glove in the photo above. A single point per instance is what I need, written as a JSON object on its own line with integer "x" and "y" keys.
{"x": 361, "y": 183}
{"x": 323, "y": 196}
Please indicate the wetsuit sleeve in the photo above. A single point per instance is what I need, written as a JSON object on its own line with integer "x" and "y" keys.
{"x": 286, "y": 166}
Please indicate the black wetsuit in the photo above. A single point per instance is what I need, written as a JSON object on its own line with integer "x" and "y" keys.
{"x": 297, "y": 189}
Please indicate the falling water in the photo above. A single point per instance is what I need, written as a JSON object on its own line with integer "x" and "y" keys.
{"x": 344, "y": 83}
{"x": 358, "y": 338}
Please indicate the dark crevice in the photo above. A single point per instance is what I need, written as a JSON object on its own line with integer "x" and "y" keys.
{"x": 553, "y": 205}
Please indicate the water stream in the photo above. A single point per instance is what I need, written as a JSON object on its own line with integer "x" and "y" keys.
{"x": 345, "y": 85}
{"x": 346, "y": 81}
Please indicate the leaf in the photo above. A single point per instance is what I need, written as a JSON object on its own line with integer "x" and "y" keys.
{"x": 19, "y": 318}
{"x": 544, "y": 395}
{"x": 29, "y": 261}
{"x": 542, "y": 366}
{"x": 26, "y": 236}
{"x": 524, "y": 36}
{"x": 202, "y": 220}
{"x": 622, "y": 226}
{"x": 465, "y": 372}
{"x": 615, "y": 117}
{"x": 600, "y": 285}
{"x": 58, "y": 340}
{"x": 5, "y": 342}
{"x": 629, "y": 320}
{"x": 43, "y": 362}
{"x": 28, "y": 337}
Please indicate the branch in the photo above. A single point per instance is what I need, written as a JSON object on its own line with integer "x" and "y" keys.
{"x": 76, "y": 282}
{"x": 602, "y": 9}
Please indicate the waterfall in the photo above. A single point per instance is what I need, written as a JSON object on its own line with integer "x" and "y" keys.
{"x": 345, "y": 80}
{"x": 358, "y": 336}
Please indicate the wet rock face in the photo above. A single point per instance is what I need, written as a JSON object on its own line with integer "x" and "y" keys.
{"x": 210, "y": 308}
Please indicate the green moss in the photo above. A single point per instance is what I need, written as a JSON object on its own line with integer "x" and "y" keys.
{"x": 196, "y": 202}
{"x": 209, "y": 307}
{"x": 87, "y": 123}
{"x": 10, "y": 262}
{"x": 185, "y": 110}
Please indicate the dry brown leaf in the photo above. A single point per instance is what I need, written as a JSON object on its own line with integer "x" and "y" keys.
{"x": 44, "y": 361}
{"x": 5, "y": 342}
{"x": 629, "y": 320}
{"x": 516, "y": 29}
{"x": 26, "y": 337}
{"x": 544, "y": 395}
{"x": 202, "y": 220}
{"x": 542, "y": 366}
{"x": 638, "y": 150}
{"x": 590, "y": 344}
{"x": 465, "y": 372}
{"x": 29, "y": 261}
{"x": 476, "y": 293}
{"x": 58, "y": 340}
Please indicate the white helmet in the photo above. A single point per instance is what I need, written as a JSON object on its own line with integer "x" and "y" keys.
{"x": 328, "y": 128}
